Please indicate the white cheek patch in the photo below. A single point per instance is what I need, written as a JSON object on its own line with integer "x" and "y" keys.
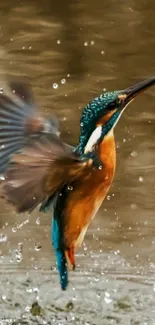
{"x": 95, "y": 136}
{"x": 93, "y": 139}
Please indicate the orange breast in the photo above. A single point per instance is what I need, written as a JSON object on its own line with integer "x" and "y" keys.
{"x": 87, "y": 195}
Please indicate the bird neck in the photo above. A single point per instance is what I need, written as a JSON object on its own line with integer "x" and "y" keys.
{"x": 107, "y": 150}
{"x": 79, "y": 149}
{"x": 97, "y": 135}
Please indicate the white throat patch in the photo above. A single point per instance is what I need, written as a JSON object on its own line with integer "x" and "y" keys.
{"x": 98, "y": 131}
{"x": 93, "y": 139}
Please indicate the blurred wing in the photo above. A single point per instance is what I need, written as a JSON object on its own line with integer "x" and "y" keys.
{"x": 19, "y": 120}
{"x": 45, "y": 165}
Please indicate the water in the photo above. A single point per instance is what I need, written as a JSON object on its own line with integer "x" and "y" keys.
{"x": 69, "y": 52}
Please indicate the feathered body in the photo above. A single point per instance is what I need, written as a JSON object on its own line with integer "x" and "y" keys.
{"x": 78, "y": 203}
{"x": 40, "y": 169}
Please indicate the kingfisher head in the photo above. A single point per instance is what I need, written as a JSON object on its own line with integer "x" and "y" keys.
{"x": 101, "y": 115}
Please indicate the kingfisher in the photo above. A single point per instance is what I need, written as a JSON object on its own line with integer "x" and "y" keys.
{"x": 38, "y": 169}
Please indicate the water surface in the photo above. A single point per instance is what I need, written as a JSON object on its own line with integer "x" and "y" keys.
{"x": 82, "y": 48}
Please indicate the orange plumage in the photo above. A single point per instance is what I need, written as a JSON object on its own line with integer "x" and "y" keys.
{"x": 74, "y": 180}
{"x": 88, "y": 193}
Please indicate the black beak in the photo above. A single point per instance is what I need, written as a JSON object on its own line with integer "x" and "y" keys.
{"x": 135, "y": 90}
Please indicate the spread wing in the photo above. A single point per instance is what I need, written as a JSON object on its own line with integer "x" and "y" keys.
{"x": 44, "y": 166}
{"x": 19, "y": 120}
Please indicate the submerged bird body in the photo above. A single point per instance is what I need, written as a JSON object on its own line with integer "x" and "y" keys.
{"x": 46, "y": 171}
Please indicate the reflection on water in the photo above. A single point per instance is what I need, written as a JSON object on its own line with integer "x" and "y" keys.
{"x": 69, "y": 52}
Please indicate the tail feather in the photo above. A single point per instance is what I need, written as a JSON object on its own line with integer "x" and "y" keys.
{"x": 19, "y": 120}
{"x": 60, "y": 254}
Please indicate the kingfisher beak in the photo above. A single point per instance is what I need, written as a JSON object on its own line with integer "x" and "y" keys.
{"x": 128, "y": 94}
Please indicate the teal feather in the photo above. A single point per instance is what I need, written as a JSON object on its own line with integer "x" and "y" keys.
{"x": 92, "y": 113}
{"x": 60, "y": 255}
{"x": 56, "y": 239}
{"x": 108, "y": 126}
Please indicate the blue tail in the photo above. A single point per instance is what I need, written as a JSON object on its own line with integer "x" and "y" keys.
{"x": 60, "y": 255}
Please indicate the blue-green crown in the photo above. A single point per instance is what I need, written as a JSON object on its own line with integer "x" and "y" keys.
{"x": 92, "y": 113}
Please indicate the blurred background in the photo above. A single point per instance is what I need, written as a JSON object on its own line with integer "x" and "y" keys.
{"x": 70, "y": 52}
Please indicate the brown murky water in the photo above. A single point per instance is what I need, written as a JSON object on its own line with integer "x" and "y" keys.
{"x": 69, "y": 51}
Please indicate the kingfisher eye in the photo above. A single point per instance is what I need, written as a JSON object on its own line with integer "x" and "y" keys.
{"x": 115, "y": 104}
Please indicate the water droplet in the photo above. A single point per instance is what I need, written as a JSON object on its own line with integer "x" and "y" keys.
{"x": 81, "y": 124}
{"x": 102, "y": 52}
{"x": 124, "y": 140}
{"x": 141, "y": 179}
{"x": 20, "y": 247}
{"x": 68, "y": 75}
{"x": 58, "y": 41}
{"x": 36, "y": 290}
{"x": 35, "y": 267}
{"x": 3, "y": 238}
{"x": 14, "y": 229}
{"x": 63, "y": 81}
{"x": 108, "y": 197}
{"x": 2, "y": 177}
{"x": 92, "y": 42}
{"x": 117, "y": 252}
{"x": 107, "y": 294}
{"x": 27, "y": 308}
{"x": 70, "y": 188}
{"x": 55, "y": 85}
{"x": 85, "y": 43}
{"x": 107, "y": 300}
{"x": 100, "y": 167}
{"x": 133, "y": 206}
{"x": 30, "y": 47}
{"x": 38, "y": 221}
{"x": 3, "y": 297}
{"x": 1, "y": 90}
{"x": 37, "y": 247}
{"x": 18, "y": 258}
{"x": 134, "y": 154}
